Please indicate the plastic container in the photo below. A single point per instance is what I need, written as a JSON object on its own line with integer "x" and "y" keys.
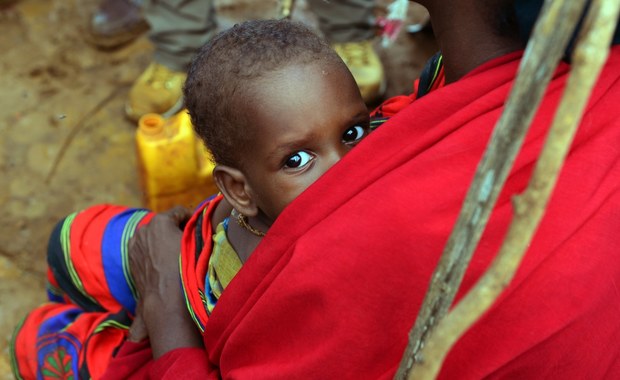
{"x": 174, "y": 166}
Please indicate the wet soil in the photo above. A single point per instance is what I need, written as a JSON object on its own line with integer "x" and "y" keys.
{"x": 64, "y": 141}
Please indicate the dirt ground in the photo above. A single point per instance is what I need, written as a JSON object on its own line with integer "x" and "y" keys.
{"x": 64, "y": 141}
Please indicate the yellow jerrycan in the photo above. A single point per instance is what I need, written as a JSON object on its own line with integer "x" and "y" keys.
{"x": 174, "y": 166}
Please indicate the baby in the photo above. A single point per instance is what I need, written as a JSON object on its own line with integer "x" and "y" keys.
{"x": 291, "y": 111}
{"x": 277, "y": 108}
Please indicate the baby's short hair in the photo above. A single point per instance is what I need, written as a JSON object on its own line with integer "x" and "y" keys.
{"x": 224, "y": 68}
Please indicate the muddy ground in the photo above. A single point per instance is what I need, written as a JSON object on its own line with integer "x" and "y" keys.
{"x": 64, "y": 141}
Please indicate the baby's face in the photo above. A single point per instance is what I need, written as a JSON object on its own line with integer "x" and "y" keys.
{"x": 306, "y": 118}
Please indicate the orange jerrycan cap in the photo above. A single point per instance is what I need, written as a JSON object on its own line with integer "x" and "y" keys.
{"x": 151, "y": 124}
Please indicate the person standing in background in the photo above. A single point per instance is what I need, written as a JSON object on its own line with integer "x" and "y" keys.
{"x": 179, "y": 27}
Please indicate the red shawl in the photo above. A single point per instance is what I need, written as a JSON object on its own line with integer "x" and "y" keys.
{"x": 336, "y": 284}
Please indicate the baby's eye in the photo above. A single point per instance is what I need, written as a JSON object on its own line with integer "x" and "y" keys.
{"x": 353, "y": 134}
{"x": 298, "y": 160}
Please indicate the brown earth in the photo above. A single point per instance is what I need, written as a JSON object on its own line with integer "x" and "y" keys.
{"x": 64, "y": 141}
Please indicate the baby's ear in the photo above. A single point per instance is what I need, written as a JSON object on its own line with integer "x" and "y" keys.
{"x": 236, "y": 189}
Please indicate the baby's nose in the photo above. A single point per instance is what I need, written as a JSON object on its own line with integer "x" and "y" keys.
{"x": 337, "y": 154}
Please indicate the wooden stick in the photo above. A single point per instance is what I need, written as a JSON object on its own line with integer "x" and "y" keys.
{"x": 588, "y": 59}
{"x": 551, "y": 34}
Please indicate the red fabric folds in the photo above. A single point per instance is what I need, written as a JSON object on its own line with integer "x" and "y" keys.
{"x": 336, "y": 284}
{"x": 193, "y": 268}
{"x": 133, "y": 361}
